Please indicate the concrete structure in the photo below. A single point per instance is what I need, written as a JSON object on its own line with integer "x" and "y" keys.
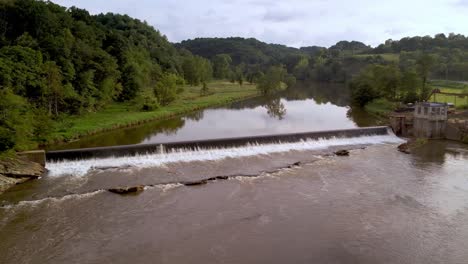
{"x": 130, "y": 150}
{"x": 430, "y": 120}
{"x": 402, "y": 123}
{"x": 37, "y": 156}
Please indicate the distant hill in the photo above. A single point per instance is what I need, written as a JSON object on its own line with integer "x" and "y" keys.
{"x": 249, "y": 51}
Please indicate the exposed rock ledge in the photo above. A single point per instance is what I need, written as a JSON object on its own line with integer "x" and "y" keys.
{"x": 16, "y": 171}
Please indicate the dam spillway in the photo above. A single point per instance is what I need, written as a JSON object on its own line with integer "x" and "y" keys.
{"x": 132, "y": 150}
{"x": 80, "y": 162}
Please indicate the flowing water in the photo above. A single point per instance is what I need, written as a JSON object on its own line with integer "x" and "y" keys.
{"x": 376, "y": 206}
{"x": 271, "y": 203}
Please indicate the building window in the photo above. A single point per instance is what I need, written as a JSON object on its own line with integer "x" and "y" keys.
{"x": 438, "y": 111}
{"x": 426, "y": 110}
{"x": 419, "y": 110}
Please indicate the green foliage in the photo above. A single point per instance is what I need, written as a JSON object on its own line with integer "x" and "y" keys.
{"x": 363, "y": 93}
{"x": 42, "y": 126}
{"x": 56, "y": 61}
{"x": 147, "y": 103}
{"x": 16, "y": 118}
{"x": 221, "y": 66}
{"x": 117, "y": 115}
{"x": 166, "y": 89}
{"x": 271, "y": 82}
{"x": 197, "y": 70}
{"x": 7, "y": 139}
{"x": 389, "y": 81}
{"x": 380, "y": 106}
{"x": 204, "y": 90}
{"x": 289, "y": 80}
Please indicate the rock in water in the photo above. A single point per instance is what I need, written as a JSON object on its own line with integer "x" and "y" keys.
{"x": 195, "y": 183}
{"x": 127, "y": 190}
{"x": 18, "y": 168}
{"x": 15, "y": 171}
{"x": 404, "y": 148}
{"x": 342, "y": 152}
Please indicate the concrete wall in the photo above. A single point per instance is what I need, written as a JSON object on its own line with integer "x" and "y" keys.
{"x": 37, "y": 156}
{"x": 211, "y": 143}
{"x": 429, "y": 128}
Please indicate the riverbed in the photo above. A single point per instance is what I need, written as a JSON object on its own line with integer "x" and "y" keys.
{"x": 376, "y": 206}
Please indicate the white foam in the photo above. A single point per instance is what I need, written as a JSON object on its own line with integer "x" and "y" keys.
{"x": 82, "y": 167}
{"x": 35, "y": 203}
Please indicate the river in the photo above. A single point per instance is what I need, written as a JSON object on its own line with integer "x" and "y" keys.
{"x": 306, "y": 107}
{"x": 284, "y": 203}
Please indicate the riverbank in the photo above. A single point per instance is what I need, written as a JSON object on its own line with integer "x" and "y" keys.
{"x": 121, "y": 115}
{"x": 14, "y": 170}
{"x": 380, "y": 107}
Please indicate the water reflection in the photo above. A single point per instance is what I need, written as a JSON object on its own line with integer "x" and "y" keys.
{"x": 438, "y": 152}
{"x": 306, "y": 107}
{"x": 276, "y": 109}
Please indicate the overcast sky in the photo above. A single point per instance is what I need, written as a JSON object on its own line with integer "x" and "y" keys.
{"x": 292, "y": 22}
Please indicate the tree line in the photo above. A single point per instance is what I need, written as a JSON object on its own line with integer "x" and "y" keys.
{"x": 56, "y": 62}
{"x": 405, "y": 82}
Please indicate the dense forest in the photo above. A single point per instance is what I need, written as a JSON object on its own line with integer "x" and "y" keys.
{"x": 57, "y": 61}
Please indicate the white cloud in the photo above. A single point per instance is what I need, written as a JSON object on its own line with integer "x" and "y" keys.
{"x": 293, "y": 22}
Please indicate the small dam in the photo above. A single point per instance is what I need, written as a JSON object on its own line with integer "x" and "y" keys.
{"x": 133, "y": 150}
{"x": 80, "y": 161}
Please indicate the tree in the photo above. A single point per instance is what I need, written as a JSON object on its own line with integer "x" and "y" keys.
{"x": 197, "y": 70}
{"x": 221, "y": 65}
{"x": 53, "y": 87}
{"x": 204, "y": 90}
{"x": 275, "y": 108}
{"x": 366, "y": 86}
{"x": 271, "y": 82}
{"x": 15, "y": 120}
{"x": 289, "y": 80}
{"x": 166, "y": 88}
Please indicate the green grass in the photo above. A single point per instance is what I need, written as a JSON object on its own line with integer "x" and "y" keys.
{"x": 392, "y": 57}
{"x": 380, "y": 107}
{"x": 119, "y": 115}
{"x": 450, "y": 87}
{"x": 449, "y": 84}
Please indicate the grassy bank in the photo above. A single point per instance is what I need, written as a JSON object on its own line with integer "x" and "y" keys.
{"x": 380, "y": 107}
{"x": 450, "y": 87}
{"x": 119, "y": 115}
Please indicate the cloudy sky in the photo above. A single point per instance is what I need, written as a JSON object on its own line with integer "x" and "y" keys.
{"x": 292, "y": 22}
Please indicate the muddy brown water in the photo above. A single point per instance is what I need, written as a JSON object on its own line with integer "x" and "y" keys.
{"x": 376, "y": 206}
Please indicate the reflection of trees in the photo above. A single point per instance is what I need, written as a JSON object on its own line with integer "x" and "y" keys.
{"x": 335, "y": 93}
{"x": 363, "y": 118}
{"x": 132, "y": 135}
{"x": 427, "y": 155}
{"x": 275, "y": 108}
{"x": 195, "y": 116}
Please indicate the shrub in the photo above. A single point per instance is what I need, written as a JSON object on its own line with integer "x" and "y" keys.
{"x": 204, "y": 90}
{"x": 7, "y": 139}
{"x": 149, "y": 104}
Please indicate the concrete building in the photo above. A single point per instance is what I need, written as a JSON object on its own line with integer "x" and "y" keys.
{"x": 430, "y": 120}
